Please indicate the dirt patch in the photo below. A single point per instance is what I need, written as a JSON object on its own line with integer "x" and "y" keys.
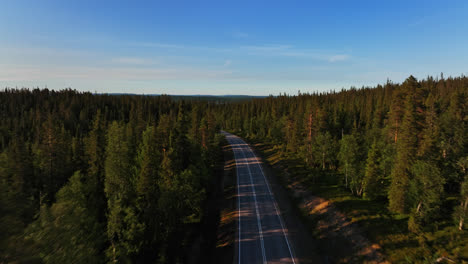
{"x": 334, "y": 228}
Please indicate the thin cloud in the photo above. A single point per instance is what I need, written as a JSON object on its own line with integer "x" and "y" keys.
{"x": 132, "y": 61}
{"x": 23, "y": 73}
{"x": 336, "y": 58}
{"x": 156, "y": 45}
{"x": 227, "y": 63}
{"x": 291, "y": 51}
{"x": 267, "y": 48}
{"x": 167, "y": 46}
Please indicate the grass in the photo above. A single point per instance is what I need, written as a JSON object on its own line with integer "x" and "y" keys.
{"x": 390, "y": 231}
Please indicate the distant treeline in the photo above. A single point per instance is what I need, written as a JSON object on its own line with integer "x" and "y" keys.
{"x": 207, "y": 98}
{"x": 405, "y": 144}
{"x": 98, "y": 178}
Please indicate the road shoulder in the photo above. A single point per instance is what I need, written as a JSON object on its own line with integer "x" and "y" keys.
{"x": 225, "y": 244}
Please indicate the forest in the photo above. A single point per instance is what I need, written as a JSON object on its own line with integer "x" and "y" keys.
{"x": 103, "y": 178}
{"x": 404, "y": 147}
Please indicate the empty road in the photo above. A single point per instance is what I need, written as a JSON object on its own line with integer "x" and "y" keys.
{"x": 261, "y": 235}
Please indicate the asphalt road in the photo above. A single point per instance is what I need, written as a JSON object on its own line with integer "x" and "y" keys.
{"x": 262, "y": 236}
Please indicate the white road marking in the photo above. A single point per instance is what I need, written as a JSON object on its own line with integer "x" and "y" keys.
{"x": 247, "y": 163}
{"x": 276, "y": 208}
{"x": 259, "y": 224}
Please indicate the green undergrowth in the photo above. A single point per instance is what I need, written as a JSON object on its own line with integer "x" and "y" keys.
{"x": 439, "y": 242}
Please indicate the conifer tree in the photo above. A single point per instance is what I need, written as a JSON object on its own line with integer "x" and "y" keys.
{"x": 53, "y": 156}
{"x": 123, "y": 228}
{"x": 95, "y": 145}
{"x": 68, "y": 230}
{"x": 148, "y": 193}
{"x": 406, "y": 152}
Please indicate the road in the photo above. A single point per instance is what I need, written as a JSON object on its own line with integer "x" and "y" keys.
{"x": 262, "y": 236}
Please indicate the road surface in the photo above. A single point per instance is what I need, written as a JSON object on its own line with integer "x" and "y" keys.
{"x": 262, "y": 236}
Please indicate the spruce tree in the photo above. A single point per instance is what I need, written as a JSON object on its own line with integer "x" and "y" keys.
{"x": 123, "y": 228}
{"x": 147, "y": 191}
{"x": 406, "y": 152}
{"x": 68, "y": 230}
{"x": 95, "y": 145}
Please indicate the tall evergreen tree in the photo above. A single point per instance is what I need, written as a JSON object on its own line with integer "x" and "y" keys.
{"x": 68, "y": 230}
{"x": 95, "y": 145}
{"x": 148, "y": 193}
{"x": 123, "y": 228}
{"x": 406, "y": 152}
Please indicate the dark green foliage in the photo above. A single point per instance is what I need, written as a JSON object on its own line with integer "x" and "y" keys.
{"x": 123, "y": 228}
{"x": 373, "y": 181}
{"x": 68, "y": 230}
{"x": 145, "y": 167}
{"x": 426, "y": 190}
{"x": 461, "y": 211}
{"x": 146, "y": 162}
{"x": 148, "y": 192}
{"x": 350, "y": 163}
{"x": 53, "y": 159}
{"x": 407, "y": 144}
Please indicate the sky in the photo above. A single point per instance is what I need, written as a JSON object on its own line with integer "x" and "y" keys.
{"x": 228, "y": 47}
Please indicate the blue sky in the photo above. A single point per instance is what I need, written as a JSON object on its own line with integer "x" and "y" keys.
{"x": 228, "y": 47}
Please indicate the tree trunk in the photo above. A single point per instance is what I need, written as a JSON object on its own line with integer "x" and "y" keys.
{"x": 323, "y": 160}
{"x": 346, "y": 176}
{"x": 114, "y": 255}
{"x": 359, "y": 191}
{"x": 396, "y": 132}
{"x": 419, "y": 207}
{"x": 462, "y": 216}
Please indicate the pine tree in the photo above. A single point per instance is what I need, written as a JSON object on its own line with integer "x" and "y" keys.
{"x": 68, "y": 230}
{"x": 406, "y": 152}
{"x": 95, "y": 145}
{"x": 53, "y": 155}
{"x": 148, "y": 193}
{"x": 181, "y": 145}
{"x": 123, "y": 228}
